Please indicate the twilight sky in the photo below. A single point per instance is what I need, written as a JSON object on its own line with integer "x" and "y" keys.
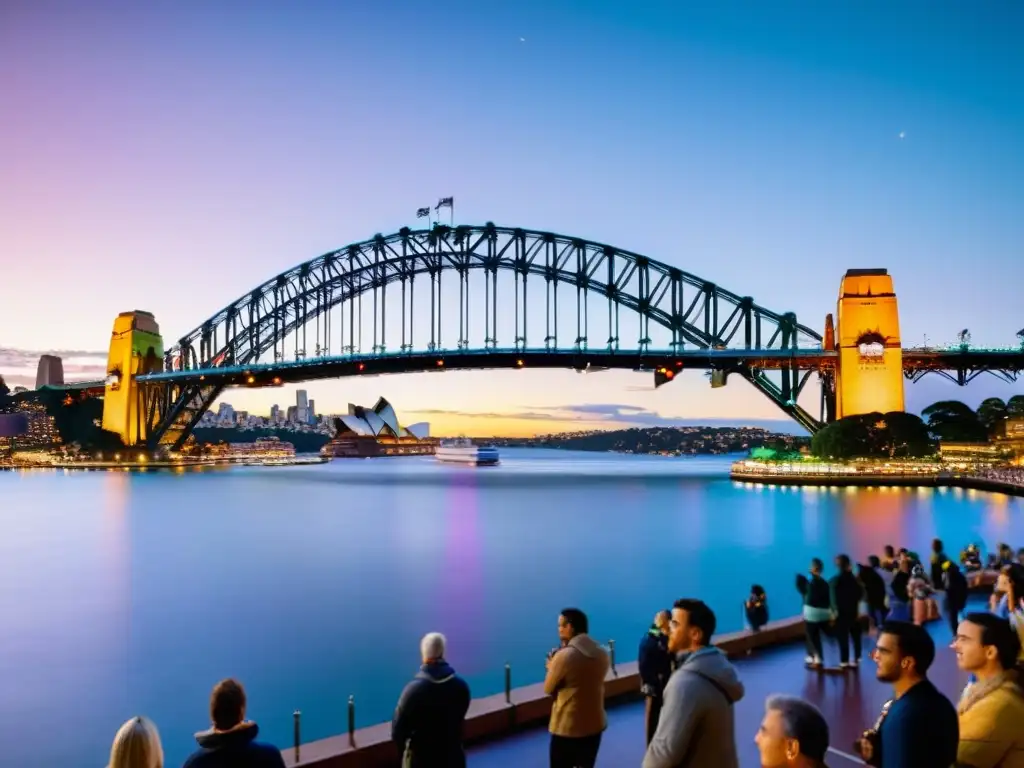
{"x": 172, "y": 156}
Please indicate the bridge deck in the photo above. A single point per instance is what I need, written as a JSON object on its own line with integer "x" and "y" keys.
{"x": 339, "y": 365}
{"x": 850, "y": 702}
{"x": 700, "y": 359}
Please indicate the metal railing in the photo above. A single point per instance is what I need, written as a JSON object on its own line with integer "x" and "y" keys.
{"x": 297, "y": 714}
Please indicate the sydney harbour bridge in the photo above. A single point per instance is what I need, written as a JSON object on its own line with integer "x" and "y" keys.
{"x": 490, "y": 297}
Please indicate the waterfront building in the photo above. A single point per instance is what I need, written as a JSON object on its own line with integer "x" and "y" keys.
{"x": 263, "y": 447}
{"x": 1009, "y": 438}
{"x": 365, "y": 432}
{"x": 40, "y": 433}
{"x": 966, "y": 455}
{"x": 1005, "y": 445}
{"x": 12, "y": 427}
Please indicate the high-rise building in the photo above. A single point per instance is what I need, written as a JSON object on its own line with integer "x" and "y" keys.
{"x": 311, "y": 415}
{"x": 275, "y": 414}
{"x": 302, "y": 399}
{"x": 50, "y": 372}
{"x": 225, "y": 413}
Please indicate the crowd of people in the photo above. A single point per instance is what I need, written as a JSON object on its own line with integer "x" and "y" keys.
{"x": 691, "y": 687}
{"x": 1009, "y": 475}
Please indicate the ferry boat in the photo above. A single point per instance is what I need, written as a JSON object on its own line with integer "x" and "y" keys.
{"x": 462, "y": 450}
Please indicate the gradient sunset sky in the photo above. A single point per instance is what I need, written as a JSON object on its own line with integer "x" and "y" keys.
{"x": 172, "y": 156}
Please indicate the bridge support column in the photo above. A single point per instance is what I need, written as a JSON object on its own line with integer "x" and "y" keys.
{"x": 136, "y": 347}
{"x": 869, "y": 368}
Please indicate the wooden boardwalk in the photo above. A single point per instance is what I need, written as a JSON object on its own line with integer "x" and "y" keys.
{"x": 850, "y": 701}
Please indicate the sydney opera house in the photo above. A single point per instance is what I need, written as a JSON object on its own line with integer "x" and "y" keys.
{"x": 365, "y": 432}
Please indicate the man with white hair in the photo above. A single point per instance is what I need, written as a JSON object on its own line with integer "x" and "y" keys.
{"x": 793, "y": 734}
{"x": 427, "y": 727}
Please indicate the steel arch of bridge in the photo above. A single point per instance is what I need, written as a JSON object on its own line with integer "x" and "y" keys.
{"x": 698, "y": 313}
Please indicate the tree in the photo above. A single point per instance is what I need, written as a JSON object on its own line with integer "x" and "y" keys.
{"x": 906, "y": 436}
{"x": 953, "y": 421}
{"x": 1015, "y": 406}
{"x": 991, "y": 411}
{"x": 895, "y": 435}
{"x": 846, "y": 438}
{"x": 5, "y": 393}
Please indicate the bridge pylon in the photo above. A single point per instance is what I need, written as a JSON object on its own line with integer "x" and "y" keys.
{"x": 136, "y": 348}
{"x": 869, "y": 368}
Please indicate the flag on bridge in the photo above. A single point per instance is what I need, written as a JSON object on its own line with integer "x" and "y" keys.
{"x": 421, "y": 212}
{"x": 445, "y": 202}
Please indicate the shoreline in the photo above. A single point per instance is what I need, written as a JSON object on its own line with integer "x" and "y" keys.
{"x": 879, "y": 480}
{"x": 181, "y": 464}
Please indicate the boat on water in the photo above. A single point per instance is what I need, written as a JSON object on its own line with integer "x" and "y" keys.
{"x": 462, "y": 450}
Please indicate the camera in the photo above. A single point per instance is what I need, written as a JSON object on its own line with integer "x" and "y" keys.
{"x": 874, "y": 757}
{"x": 873, "y": 738}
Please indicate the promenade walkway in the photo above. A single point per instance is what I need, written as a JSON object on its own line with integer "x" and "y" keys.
{"x": 850, "y": 701}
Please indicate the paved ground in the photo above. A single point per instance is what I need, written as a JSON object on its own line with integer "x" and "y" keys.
{"x": 850, "y": 702}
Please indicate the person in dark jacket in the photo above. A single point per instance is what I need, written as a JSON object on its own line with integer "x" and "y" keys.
{"x": 756, "y": 608}
{"x": 937, "y": 559}
{"x": 919, "y": 726}
{"x": 847, "y": 593}
{"x": 655, "y": 666}
{"x": 955, "y": 585}
{"x": 427, "y": 727}
{"x": 232, "y": 739}
{"x": 874, "y": 590}
{"x": 899, "y": 605}
{"x": 817, "y": 610}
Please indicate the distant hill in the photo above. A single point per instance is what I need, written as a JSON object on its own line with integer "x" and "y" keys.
{"x": 680, "y": 441}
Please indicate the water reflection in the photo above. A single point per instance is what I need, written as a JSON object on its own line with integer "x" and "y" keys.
{"x": 462, "y": 584}
{"x": 809, "y": 517}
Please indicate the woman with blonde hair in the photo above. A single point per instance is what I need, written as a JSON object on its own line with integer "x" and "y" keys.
{"x": 137, "y": 745}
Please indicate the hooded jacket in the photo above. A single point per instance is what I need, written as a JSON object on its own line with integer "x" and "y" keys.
{"x": 697, "y": 726}
{"x": 235, "y": 747}
{"x": 576, "y": 679}
{"x": 427, "y": 727}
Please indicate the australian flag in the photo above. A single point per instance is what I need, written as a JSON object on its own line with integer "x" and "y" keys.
{"x": 445, "y": 202}
{"x": 422, "y": 212}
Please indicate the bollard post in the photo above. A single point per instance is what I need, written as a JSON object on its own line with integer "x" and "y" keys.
{"x": 352, "y": 721}
{"x": 508, "y": 683}
{"x": 297, "y": 717}
{"x": 611, "y": 657}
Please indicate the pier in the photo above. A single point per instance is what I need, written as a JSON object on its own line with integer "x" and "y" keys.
{"x": 902, "y": 475}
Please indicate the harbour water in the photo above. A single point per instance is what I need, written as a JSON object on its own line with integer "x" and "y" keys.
{"x": 127, "y": 593}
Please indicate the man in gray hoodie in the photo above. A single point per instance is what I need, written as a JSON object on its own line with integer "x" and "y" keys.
{"x": 696, "y": 728}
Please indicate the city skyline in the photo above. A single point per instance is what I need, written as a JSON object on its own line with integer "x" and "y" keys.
{"x": 171, "y": 160}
